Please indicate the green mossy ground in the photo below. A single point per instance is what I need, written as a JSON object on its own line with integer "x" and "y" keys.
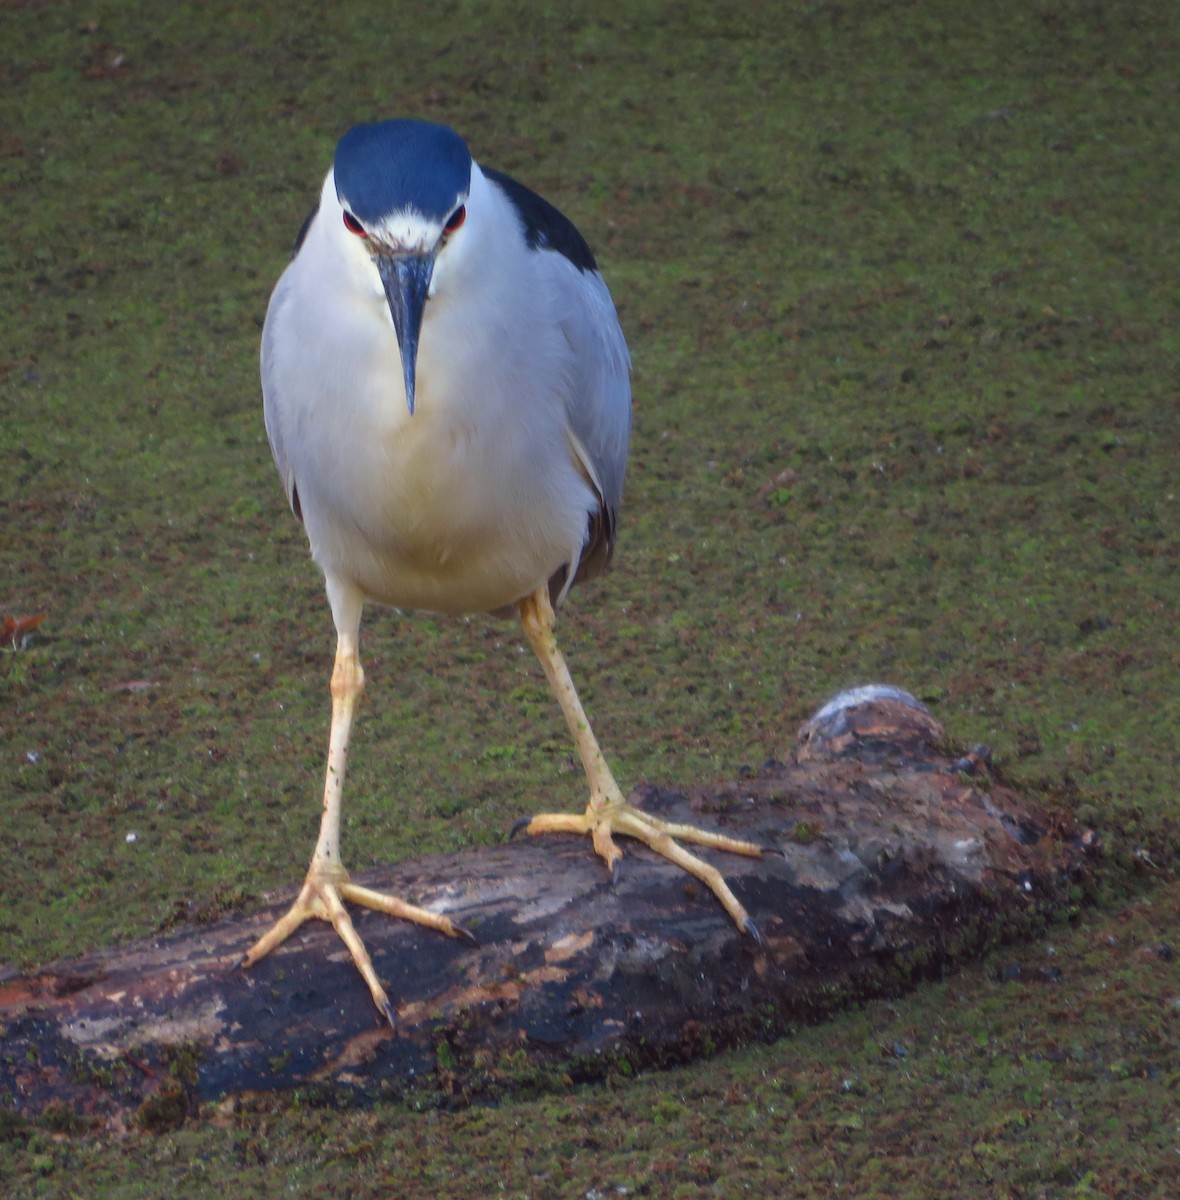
{"x": 900, "y": 282}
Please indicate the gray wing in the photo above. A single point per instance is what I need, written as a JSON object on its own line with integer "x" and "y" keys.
{"x": 598, "y": 403}
{"x": 599, "y": 410}
{"x": 271, "y": 400}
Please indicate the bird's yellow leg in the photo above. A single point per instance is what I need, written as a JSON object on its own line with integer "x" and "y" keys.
{"x": 327, "y": 885}
{"x": 609, "y": 812}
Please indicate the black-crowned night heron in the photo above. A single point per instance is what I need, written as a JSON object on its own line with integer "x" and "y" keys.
{"x": 448, "y": 401}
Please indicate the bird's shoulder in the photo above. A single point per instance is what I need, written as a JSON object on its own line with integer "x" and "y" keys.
{"x": 302, "y": 234}
{"x": 545, "y": 226}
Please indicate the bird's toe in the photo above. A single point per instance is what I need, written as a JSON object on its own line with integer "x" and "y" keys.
{"x": 519, "y": 827}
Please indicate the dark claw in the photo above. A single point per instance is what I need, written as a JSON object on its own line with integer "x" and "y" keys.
{"x": 465, "y": 934}
{"x": 615, "y": 872}
{"x": 238, "y": 963}
{"x": 752, "y": 930}
{"x": 969, "y": 764}
{"x": 523, "y": 823}
{"x": 387, "y": 1009}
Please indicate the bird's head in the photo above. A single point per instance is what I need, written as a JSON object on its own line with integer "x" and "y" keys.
{"x": 402, "y": 188}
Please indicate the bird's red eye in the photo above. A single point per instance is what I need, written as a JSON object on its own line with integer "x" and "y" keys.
{"x": 455, "y": 219}
{"x": 353, "y": 225}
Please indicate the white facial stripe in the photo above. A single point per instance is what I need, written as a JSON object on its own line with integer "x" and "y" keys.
{"x": 407, "y": 231}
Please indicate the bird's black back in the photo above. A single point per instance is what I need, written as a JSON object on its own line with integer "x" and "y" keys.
{"x": 545, "y": 227}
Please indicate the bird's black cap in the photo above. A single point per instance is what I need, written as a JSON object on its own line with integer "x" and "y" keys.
{"x": 395, "y": 165}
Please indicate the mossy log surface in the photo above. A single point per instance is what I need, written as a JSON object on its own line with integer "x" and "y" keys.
{"x": 894, "y": 858}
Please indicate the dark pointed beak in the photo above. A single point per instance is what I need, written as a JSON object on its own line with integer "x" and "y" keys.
{"x": 406, "y": 279}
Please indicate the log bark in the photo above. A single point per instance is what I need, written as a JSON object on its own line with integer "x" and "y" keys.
{"x": 894, "y": 859}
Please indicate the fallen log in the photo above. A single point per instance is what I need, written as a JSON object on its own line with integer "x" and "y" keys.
{"x": 893, "y": 860}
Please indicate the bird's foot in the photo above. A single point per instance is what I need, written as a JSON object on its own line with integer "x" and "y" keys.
{"x": 322, "y": 897}
{"x": 602, "y": 820}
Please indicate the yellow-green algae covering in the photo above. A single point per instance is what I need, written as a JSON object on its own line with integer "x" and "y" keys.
{"x": 900, "y": 281}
